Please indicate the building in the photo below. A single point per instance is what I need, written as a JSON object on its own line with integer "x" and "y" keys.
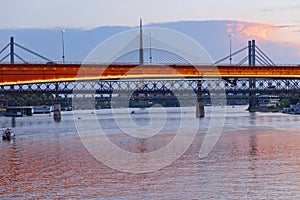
{"x": 43, "y": 109}
{"x": 19, "y": 111}
{"x": 267, "y": 103}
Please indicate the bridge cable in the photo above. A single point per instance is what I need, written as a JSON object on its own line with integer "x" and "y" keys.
{"x": 20, "y": 58}
{"x": 260, "y": 61}
{"x": 242, "y": 61}
{"x": 167, "y": 57}
{"x": 4, "y": 48}
{"x": 259, "y": 56}
{"x": 28, "y": 50}
{"x": 233, "y": 54}
{"x": 262, "y": 58}
{"x": 265, "y": 56}
{"x": 4, "y": 57}
{"x": 265, "y": 63}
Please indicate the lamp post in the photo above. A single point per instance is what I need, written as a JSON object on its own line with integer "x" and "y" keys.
{"x": 63, "y": 45}
{"x": 230, "y": 58}
{"x": 150, "y": 35}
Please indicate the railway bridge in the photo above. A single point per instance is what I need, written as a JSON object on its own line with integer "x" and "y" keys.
{"x": 142, "y": 85}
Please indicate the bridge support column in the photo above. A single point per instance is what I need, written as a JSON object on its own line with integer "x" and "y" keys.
{"x": 57, "y": 113}
{"x": 200, "y": 112}
{"x": 252, "y": 81}
{"x": 252, "y": 95}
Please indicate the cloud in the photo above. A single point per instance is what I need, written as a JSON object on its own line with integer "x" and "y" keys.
{"x": 289, "y": 8}
{"x": 261, "y": 31}
{"x": 285, "y": 26}
{"x": 272, "y": 9}
{"x": 267, "y": 33}
{"x": 252, "y": 30}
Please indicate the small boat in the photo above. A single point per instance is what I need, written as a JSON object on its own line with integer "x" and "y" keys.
{"x": 8, "y": 134}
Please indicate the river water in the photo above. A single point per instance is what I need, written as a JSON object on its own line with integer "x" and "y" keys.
{"x": 256, "y": 157}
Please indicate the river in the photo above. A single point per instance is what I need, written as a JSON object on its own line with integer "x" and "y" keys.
{"x": 256, "y": 157}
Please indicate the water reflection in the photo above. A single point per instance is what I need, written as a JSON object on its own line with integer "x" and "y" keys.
{"x": 252, "y": 137}
{"x": 11, "y": 163}
{"x": 57, "y": 117}
{"x": 254, "y": 159}
{"x": 253, "y": 146}
{"x": 13, "y": 122}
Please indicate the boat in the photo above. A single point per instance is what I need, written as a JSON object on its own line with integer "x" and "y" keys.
{"x": 8, "y": 134}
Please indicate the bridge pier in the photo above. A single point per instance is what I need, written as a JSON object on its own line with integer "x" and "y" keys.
{"x": 200, "y": 112}
{"x": 252, "y": 103}
{"x": 57, "y": 113}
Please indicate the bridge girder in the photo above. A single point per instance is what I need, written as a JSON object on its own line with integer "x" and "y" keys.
{"x": 153, "y": 89}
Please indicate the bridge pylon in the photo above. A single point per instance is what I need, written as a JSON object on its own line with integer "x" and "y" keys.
{"x": 252, "y": 81}
{"x": 141, "y": 50}
{"x": 12, "y": 52}
{"x": 255, "y": 57}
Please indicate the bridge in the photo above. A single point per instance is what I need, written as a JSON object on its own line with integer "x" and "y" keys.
{"x": 12, "y": 74}
{"x": 50, "y": 82}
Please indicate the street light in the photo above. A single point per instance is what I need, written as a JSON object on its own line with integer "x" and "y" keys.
{"x": 150, "y": 34}
{"x": 230, "y": 58}
{"x": 63, "y": 45}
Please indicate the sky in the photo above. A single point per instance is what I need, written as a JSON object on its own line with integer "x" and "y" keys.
{"x": 271, "y": 20}
{"x": 94, "y": 13}
{"x": 88, "y": 14}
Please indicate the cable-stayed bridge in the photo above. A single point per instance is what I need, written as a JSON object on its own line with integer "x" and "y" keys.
{"x": 51, "y": 82}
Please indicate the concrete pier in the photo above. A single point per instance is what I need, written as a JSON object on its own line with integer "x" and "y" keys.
{"x": 252, "y": 103}
{"x": 57, "y": 113}
{"x": 200, "y": 112}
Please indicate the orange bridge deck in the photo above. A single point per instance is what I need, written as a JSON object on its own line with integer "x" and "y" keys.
{"x": 38, "y": 73}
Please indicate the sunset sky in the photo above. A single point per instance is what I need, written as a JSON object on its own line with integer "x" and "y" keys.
{"x": 270, "y": 20}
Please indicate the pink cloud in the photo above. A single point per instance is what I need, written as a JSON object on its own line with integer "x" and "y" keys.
{"x": 239, "y": 27}
{"x": 230, "y": 27}
{"x": 229, "y": 30}
{"x": 253, "y": 30}
{"x": 231, "y": 24}
{"x": 261, "y": 31}
{"x": 266, "y": 33}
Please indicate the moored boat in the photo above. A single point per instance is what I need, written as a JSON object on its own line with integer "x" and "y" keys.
{"x": 8, "y": 134}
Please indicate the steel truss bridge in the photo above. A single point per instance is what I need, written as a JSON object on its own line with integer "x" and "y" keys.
{"x": 49, "y": 83}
